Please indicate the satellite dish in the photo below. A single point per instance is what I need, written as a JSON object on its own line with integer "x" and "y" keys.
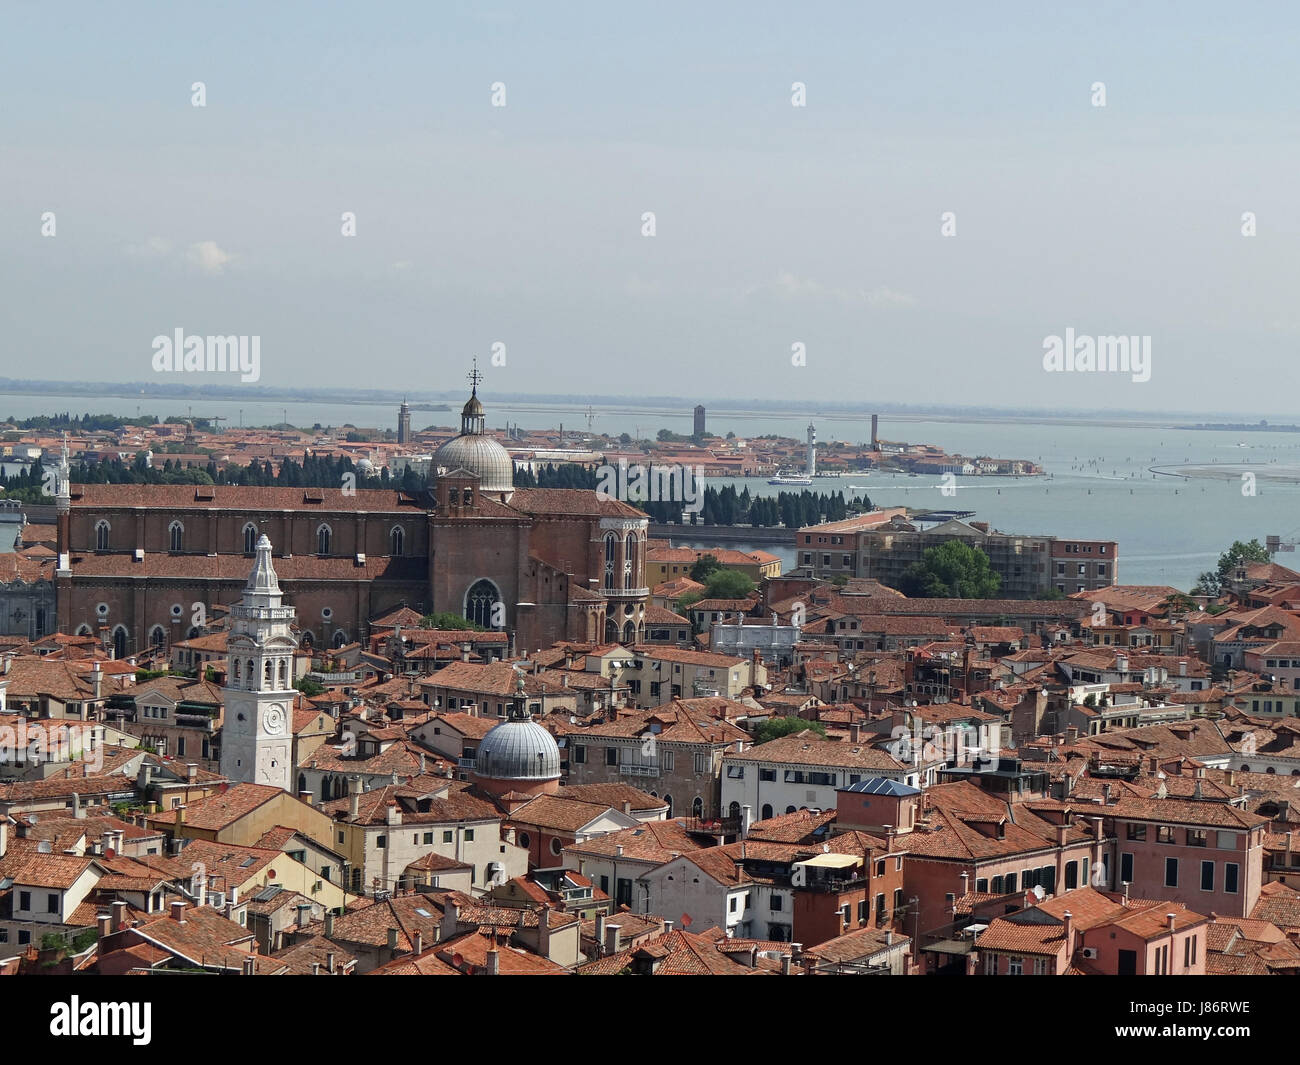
{"x": 1039, "y": 893}
{"x": 826, "y": 848}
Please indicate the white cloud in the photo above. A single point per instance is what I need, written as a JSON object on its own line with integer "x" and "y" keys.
{"x": 151, "y": 248}
{"x": 888, "y": 297}
{"x": 208, "y": 257}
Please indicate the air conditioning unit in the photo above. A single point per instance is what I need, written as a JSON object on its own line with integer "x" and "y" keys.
{"x": 1090, "y": 952}
{"x": 217, "y": 900}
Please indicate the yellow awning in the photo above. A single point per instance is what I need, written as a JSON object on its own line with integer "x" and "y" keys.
{"x": 832, "y": 861}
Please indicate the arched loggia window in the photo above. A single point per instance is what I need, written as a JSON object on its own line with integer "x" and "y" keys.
{"x": 479, "y": 601}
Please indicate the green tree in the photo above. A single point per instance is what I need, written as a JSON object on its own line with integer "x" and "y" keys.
{"x": 776, "y": 727}
{"x": 1213, "y": 582}
{"x": 704, "y": 568}
{"x": 728, "y": 584}
{"x": 447, "y": 620}
{"x": 952, "y": 570}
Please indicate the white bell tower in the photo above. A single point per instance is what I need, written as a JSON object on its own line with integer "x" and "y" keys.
{"x": 256, "y": 738}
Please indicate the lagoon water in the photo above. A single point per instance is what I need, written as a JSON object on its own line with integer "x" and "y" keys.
{"x": 1098, "y": 484}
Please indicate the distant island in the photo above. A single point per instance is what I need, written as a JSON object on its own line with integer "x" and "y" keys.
{"x": 1242, "y": 427}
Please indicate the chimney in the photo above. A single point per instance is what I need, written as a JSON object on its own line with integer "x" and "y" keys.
{"x": 96, "y": 681}
{"x": 1173, "y": 921}
{"x": 543, "y": 932}
{"x": 600, "y": 929}
{"x": 1182, "y": 667}
{"x": 889, "y": 937}
{"x": 119, "y": 916}
{"x": 1288, "y": 849}
{"x": 418, "y": 943}
{"x": 180, "y": 817}
{"x": 178, "y": 911}
{"x": 464, "y": 652}
{"x": 746, "y": 820}
{"x": 493, "y": 962}
{"x": 191, "y": 771}
{"x": 1069, "y": 927}
{"x": 250, "y": 965}
{"x": 104, "y": 924}
{"x": 78, "y": 810}
{"x": 354, "y": 797}
{"x": 329, "y": 962}
{"x": 613, "y": 939}
{"x": 786, "y": 962}
{"x": 304, "y": 797}
{"x": 618, "y": 850}
{"x": 450, "y": 919}
{"x": 1230, "y": 776}
{"x": 855, "y": 733}
{"x": 329, "y": 926}
{"x": 392, "y": 939}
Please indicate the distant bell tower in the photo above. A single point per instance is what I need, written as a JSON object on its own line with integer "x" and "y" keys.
{"x": 699, "y": 420}
{"x": 256, "y": 739}
{"x": 404, "y": 423}
{"x": 812, "y": 450}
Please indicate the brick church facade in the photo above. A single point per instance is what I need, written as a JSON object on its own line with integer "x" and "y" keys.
{"x": 136, "y": 562}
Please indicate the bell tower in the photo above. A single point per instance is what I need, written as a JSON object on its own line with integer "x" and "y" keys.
{"x": 256, "y": 738}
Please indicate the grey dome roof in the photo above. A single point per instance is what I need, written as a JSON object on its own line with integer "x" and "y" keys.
{"x": 518, "y": 750}
{"x": 481, "y": 456}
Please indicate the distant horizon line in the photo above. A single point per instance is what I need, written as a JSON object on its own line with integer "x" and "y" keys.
{"x": 380, "y": 397}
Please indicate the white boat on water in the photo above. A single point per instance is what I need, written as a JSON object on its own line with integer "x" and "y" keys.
{"x": 791, "y": 479}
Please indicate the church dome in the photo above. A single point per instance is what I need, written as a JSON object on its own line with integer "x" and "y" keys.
{"x": 518, "y": 750}
{"x": 481, "y": 456}
{"x": 476, "y": 452}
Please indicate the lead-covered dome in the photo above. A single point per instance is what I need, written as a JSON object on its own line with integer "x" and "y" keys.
{"x": 476, "y": 452}
{"x": 481, "y": 456}
{"x": 518, "y": 750}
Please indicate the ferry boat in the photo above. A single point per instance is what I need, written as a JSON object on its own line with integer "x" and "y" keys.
{"x": 791, "y": 479}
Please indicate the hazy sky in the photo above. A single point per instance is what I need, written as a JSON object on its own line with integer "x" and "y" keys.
{"x": 774, "y": 224}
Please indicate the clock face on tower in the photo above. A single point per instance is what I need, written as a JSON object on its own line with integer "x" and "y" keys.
{"x": 273, "y": 720}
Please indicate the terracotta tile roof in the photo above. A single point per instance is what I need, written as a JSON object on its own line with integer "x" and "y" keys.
{"x": 615, "y": 795}
{"x": 675, "y": 953}
{"x": 220, "y": 810}
{"x": 239, "y": 499}
{"x": 653, "y": 841}
{"x": 809, "y": 749}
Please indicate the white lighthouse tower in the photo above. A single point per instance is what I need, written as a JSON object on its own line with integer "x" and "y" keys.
{"x": 812, "y": 450}
{"x": 256, "y": 739}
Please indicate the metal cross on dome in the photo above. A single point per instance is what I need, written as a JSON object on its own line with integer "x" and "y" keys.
{"x": 474, "y": 377}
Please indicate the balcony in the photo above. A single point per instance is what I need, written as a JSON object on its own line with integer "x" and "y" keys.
{"x": 716, "y": 826}
{"x": 639, "y": 770}
{"x": 466, "y": 763}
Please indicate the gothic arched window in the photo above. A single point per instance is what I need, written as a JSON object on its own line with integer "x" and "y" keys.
{"x": 630, "y": 578}
{"x": 479, "y": 601}
{"x": 611, "y": 555}
{"x": 397, "y": 540}
{"x": 102, "y": 529}
{"x": 119, "y": 641}
{"x": 323, "y": 535}
{"x": 175, "y": 537}
{"x": 250, "y": 539}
